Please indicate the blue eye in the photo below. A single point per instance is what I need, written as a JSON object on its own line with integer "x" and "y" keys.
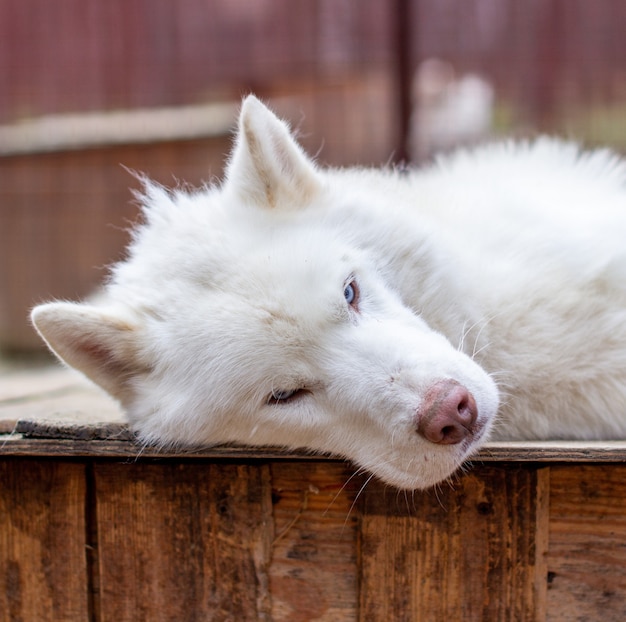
{"x": 351, "y": 293}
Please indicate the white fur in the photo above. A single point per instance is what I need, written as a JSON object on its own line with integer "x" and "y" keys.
{"x": 504, "y": 264}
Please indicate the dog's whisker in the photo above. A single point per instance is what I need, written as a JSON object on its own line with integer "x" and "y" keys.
{"x": 356, "y": 473}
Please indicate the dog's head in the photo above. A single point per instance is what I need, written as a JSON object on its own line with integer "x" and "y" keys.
{"x": 251, "y": 313}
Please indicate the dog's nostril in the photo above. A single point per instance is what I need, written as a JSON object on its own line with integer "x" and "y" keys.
{"x": 467, "y": 409}
{"x": 449, "y": 434}
{"x": 448, "y": 413}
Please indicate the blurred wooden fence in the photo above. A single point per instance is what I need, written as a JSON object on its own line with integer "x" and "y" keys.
{"x": 343, "y": 72}
{"x": 542, "y": 55}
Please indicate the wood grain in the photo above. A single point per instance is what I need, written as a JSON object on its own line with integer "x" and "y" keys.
{"x": 314, "y": 574}
{"x": 258, "y": 533}
{"x": 472, "y": 553}
{"x": 587, "y": 555}
{"x": 43, "y": 571}
{"x": 183, "y": 542}
{"x": 50, "y": 412}
{"x": 114, "y": 441}
{"x": 552, "y": 451}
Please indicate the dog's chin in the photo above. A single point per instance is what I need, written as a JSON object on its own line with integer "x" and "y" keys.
{"x": 408, "y": 479}
{"x": 426, "y": 469}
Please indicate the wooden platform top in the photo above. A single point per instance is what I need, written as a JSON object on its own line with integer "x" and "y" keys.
{"x": 51, "y": 411}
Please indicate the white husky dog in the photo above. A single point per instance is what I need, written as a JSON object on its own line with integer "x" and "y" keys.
{"x": 368, "y": 313}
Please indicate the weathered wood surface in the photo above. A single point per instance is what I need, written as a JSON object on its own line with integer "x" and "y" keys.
{"x": 43, "y": 568}
{"x": 297, "y": 541}
{"x": 93, "y": 527}
{"x": 587, "y": 552}
{"x": 183, "y": 542}
{"x": 314, "y": 571}
{"x": 51, "y": 398}
{"x": 475, "y": 551}
{"x": 16, "y": 444}
{"x": 54, "y": 412}
{"x": 308, "y": 541}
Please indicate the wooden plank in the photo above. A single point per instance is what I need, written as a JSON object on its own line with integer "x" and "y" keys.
{"x": 25, "y": 386}
{"x": 183, "y": 541}
{"x": 43, "y": 570}
{"x": 87, "y": 130}
{"x": 314, "y": 574}
{"x": 553, "y": 451}
{"x": 66, "y": 412}
{"x": 53, "y": 403}
{"x": 115, "y": 441}
{"x": 17, "y": 445}
{"x": 83, "y": 408}
{"x": 587, "y": 555}
{"x": 471, "y": 552}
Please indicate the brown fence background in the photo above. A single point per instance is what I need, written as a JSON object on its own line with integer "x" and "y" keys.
{"x": 343, "y": 71}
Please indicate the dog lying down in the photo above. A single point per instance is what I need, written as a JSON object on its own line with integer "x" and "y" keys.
{"x": 396, "y": 319}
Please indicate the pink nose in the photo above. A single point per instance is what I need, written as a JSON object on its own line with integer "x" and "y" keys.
{"x": 448, "y": 414}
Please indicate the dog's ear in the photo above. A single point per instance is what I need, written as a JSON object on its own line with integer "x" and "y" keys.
{"x": 267, "y": 166}
{"x": 99, "y": 343}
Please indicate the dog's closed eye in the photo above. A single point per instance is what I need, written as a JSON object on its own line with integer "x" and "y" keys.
{"x": 283, "y": 396}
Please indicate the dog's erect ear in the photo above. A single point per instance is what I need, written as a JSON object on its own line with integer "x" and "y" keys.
{"x": 100, "y": 344}
{"x": 267, "y": 166}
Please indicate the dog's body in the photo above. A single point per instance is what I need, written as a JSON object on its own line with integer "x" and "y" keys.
{"x": 368, "y": 312}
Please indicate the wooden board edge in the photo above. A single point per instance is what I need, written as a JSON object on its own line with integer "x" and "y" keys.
{"x": 118, "y": 445}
